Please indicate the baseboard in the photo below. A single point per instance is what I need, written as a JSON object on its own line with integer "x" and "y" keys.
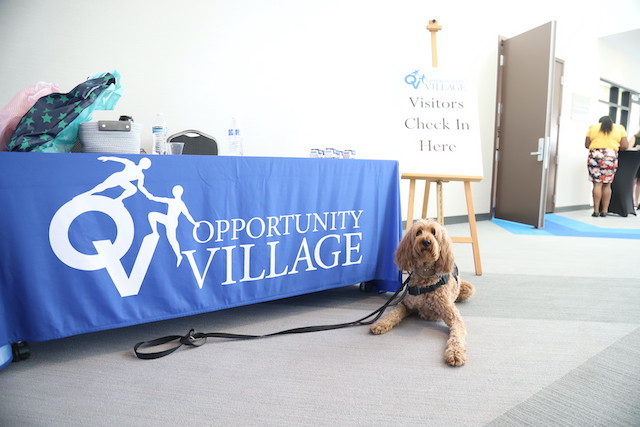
{"x": 459, "y": 219}
{"x": 572, "y": 208}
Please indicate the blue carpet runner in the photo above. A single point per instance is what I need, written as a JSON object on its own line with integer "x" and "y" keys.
{"x": 555, "y": 225}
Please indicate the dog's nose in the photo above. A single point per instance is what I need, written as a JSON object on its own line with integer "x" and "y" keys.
{"x": 426, "y": 243}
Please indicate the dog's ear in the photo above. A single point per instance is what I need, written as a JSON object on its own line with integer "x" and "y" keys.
{"x": 404, "y": 253}
{"x": 446, "y": 261}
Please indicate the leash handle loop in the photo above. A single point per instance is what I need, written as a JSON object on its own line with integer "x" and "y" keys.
{"x": 155, "y": 343}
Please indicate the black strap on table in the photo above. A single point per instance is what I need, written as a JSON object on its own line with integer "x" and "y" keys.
{"x": 196, "y": 339}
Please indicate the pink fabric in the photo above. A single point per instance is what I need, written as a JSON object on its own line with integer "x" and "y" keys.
{"x": 11, "y": 114}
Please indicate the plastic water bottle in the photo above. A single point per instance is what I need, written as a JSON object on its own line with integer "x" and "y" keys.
{"x": 159, "y": 130}
{"x": 235, "y": 139}
{"x": 330, "y": 153}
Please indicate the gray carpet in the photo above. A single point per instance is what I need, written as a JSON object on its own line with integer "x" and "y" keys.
{"x": 603, "y": 391}
{"x": 530, "y": 363}
{"x": 544, "y": 349}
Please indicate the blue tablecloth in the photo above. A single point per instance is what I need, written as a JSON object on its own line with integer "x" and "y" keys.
{"x": 91, "y": 242}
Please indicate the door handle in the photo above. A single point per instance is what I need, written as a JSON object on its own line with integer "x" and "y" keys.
{"x": 540, "y": 152}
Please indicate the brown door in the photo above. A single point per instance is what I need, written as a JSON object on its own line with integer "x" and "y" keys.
{"x": 523, "y": 125}
{"x": 555, "y": 132}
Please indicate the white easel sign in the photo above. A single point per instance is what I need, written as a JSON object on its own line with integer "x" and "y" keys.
{"x": 439, "y": 123}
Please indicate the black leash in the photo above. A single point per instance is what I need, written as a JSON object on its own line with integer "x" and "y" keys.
{"x": 196, "y": 339}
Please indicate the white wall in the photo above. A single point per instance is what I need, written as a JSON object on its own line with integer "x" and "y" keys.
{"x": 299, "y": 73}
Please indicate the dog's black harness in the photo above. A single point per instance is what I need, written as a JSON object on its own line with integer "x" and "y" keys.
{"x": 419, "y": 290}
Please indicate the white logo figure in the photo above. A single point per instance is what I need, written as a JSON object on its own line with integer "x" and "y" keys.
{"x": 170, "y": 220}
{"x": 124, "y": 178}
{"x": 109, "y": 254}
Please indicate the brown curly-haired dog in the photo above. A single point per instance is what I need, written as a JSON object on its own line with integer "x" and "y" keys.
{"x": 426, "y": 252}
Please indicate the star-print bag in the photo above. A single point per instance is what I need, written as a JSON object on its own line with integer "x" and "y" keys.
{"x": 52, "y": 124}
{"x": 22, "y": 102}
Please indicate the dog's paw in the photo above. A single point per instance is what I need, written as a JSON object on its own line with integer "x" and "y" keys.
{"x": 455, "y": 356}
{"x": 379, "y": 328}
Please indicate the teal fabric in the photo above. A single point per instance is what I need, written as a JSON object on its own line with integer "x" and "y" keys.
{"x": 105, "y": 100}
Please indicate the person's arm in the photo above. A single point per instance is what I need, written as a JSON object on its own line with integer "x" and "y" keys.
{"x": 187, "y": 214}
{"x": 190, "y": 218}
{"x": 144, "y": 190}
{"x": 624, "y": 144}
{"x": 149, "y": 195}
{"x": 113, "y": 159}
{"x": 587, "y": 142}
{"x": 634, "y": 140}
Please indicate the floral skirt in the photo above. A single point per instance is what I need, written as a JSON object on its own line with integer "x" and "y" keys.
{"x": 602, "y": 164}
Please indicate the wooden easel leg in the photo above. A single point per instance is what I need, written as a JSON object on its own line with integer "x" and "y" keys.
{"x": 471, "y": 215}
{"x": 412, "y": 194}
{"x": 425, "y": 200}
{"x": 440, "y": 207}
{"x": 472, "y": 228}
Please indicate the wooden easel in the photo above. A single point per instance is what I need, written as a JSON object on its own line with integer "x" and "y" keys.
{"x": 434, "y": 27}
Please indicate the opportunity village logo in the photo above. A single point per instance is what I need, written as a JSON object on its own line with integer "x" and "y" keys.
{"x": 337, "y": 241}
{"x": 432, "y": 82}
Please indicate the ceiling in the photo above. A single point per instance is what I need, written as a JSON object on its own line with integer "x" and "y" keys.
{"x": 628, "y": 41}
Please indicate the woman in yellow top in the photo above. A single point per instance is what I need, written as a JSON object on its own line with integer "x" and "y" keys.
{"x": 603, "y": 140}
